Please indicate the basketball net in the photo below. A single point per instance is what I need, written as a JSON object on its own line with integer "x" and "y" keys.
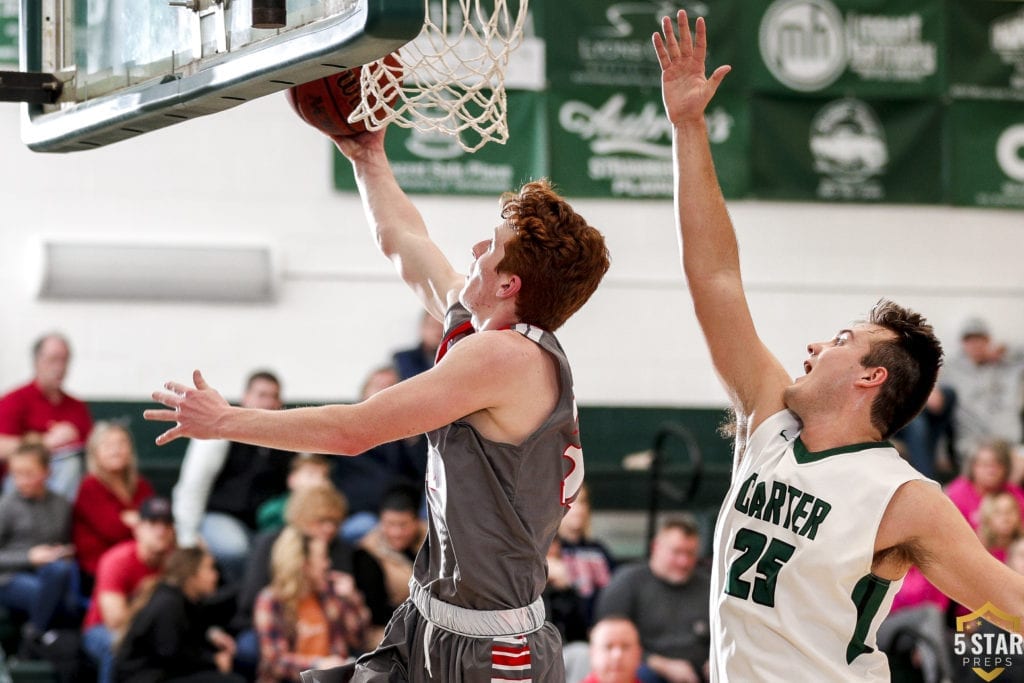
{"x": 451, "y": 78}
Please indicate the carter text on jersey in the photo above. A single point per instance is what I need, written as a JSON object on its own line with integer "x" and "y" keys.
{"x": 784, "y": 505}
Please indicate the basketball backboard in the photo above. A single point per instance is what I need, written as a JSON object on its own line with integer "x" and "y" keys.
{"x": 132, "y": 66}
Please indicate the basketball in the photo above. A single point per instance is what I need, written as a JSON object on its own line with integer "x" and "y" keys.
{"x": 326, "y": 103}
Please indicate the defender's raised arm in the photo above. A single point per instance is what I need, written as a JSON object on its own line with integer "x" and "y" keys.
{"x": 753, "y": 377}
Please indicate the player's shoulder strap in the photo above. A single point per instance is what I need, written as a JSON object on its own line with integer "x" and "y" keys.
{"x": 457, "y": 325}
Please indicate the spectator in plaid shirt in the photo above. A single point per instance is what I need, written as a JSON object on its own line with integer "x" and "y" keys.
{"x": 309, "y": 616}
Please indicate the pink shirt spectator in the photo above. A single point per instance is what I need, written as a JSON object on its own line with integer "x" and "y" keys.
{"x": 968, "y": 500}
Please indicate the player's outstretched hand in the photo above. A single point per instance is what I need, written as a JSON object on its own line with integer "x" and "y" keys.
{"x": 194, "y": 410}
{"x": 685, "y": 89}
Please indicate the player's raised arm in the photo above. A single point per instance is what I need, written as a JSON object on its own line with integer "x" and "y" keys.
{"x": 753, "y": 377}
{"x": 397, "y": 225}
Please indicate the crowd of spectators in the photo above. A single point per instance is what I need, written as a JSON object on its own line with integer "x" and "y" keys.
{"x": 243, "y": 573}
{"x": 264, "y": 563}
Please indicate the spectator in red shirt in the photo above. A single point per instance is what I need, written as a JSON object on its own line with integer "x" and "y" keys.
{"x": 120, "y": 575}
{"x": 42, "y": 408}
{"x": 107, "y": 507}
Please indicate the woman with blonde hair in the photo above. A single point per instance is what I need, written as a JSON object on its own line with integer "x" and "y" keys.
{"x": 106, "y": 509}
{"x": 316, "y": 512}
{"x": 309, "y": 616}
{"x": 1000, "y": 522}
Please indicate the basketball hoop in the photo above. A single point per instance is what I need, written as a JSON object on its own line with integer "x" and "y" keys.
{"x": 451, "y": 78}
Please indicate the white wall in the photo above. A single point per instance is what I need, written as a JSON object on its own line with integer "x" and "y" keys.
{"x": 255, "y": 171}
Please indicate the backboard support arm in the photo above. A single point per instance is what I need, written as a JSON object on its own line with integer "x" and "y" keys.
{"x": 29, "y": 86}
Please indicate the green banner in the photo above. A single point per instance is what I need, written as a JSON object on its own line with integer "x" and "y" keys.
{"x": 847, "y": 149}
{"x": 608, "y": 42}
{"x": 616, "y": 142}
{"x": 9, "y": 32}
{"x": 861, "y": 48}
{"x": 986, "y": 58}
{"x": 433, "y": 163}
{"x": 987, "y": 153}
{"x": 829, "y": 100}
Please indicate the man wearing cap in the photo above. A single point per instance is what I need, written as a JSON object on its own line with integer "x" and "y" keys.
{"x": 988, "y": 379}
{"x": 120, "y": 572}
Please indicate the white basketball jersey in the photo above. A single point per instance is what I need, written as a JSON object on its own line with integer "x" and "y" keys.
{"x": 792, "y": 594}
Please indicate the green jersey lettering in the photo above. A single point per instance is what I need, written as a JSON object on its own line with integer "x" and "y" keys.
{"x": 818, "y": 514}
{"x": 779, "y": 503}
{"x": 742, "y": 500}
{"x": 794, "y": 495}
{"x": 770, "y": 557}
{"x": 775, "y": 503}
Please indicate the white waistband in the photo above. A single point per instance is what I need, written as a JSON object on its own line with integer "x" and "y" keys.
{"x": 477, "y": 623}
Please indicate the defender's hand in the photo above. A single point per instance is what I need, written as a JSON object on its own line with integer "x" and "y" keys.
{"x": 685, "y": 89}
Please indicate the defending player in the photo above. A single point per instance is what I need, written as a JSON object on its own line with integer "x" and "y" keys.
{"x": 823, "y": 518}
{"x": 505, "y": 456}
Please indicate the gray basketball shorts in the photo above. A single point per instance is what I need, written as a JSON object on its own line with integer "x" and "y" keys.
{"x": 451, "y": 658}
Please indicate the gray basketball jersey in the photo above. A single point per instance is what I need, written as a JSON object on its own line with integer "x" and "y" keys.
{"x": 792, "y": 596}
{"x": 494, "y": 508}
